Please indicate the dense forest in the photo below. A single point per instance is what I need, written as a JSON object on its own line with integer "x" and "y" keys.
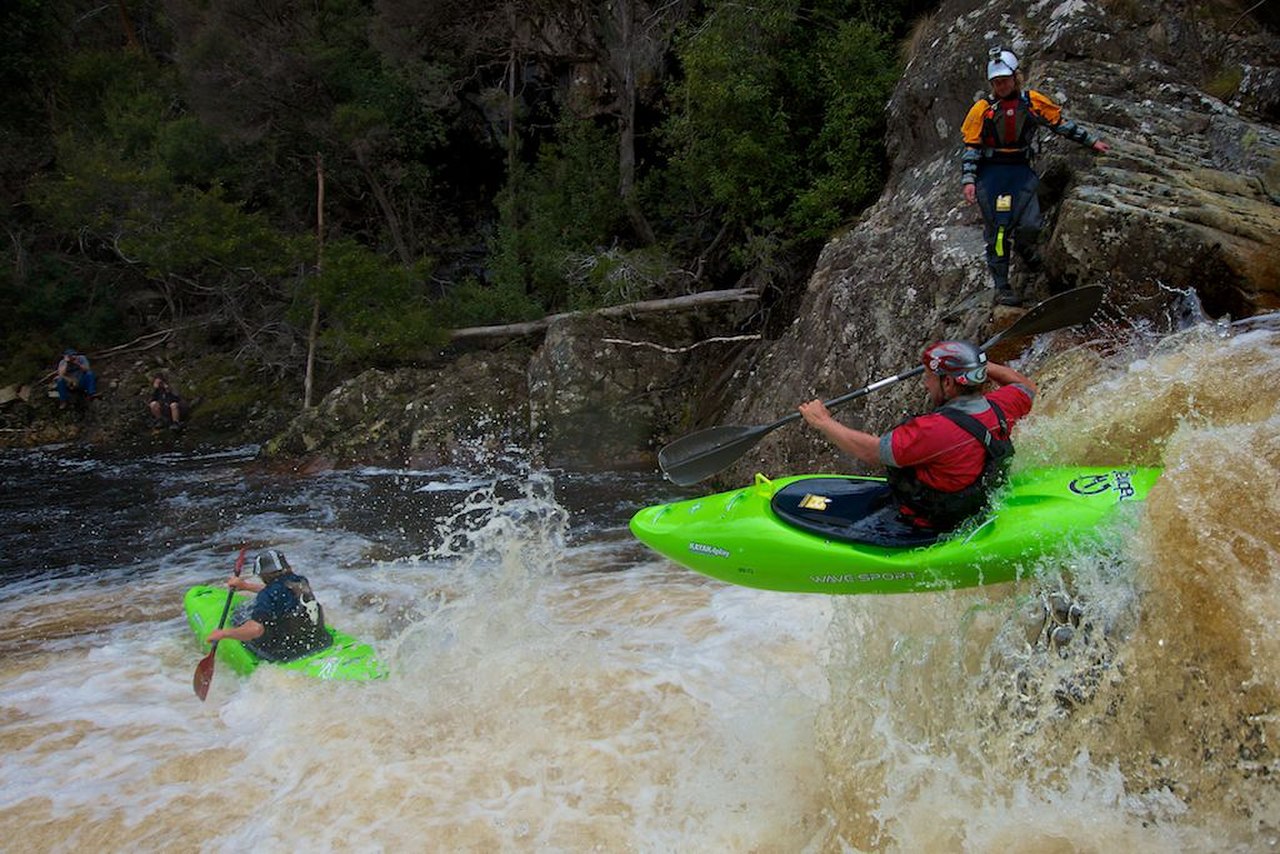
{"x": 373, "y": 172}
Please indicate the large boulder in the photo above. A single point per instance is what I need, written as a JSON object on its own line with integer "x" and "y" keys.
{"x": 469, "y": 412}
{"x": 606, "y": 386}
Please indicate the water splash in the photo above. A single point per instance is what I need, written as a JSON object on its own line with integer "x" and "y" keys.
{"x": 958, "y": 722}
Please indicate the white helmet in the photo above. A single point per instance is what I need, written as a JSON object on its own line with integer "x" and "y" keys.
{"x": 1001, "y": 63}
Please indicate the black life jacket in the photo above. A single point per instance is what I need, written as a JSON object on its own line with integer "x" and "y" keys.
{"x": 1009, "y": 129}
{"x": 946, "y": 510}
{"x": 296, "y": 633}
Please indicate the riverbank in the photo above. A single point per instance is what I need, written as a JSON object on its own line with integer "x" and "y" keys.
{"x": 228, "y": 405}
{"x": 585, "y": 390}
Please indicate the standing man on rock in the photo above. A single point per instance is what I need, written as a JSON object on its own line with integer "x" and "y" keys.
{"x": 999, "y": 134}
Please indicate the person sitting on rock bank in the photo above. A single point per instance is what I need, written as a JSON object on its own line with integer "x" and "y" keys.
{"x": 942, "y": 466}
{"x": 166, "y": 406}
{"x": 74, "y": 377}
{"x": 284, "y": 622}
{"x": 999, "y": 135}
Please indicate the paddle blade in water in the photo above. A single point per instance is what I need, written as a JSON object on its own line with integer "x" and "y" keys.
{"x": 204, "y": 670}
{"x": 203, "y": 676}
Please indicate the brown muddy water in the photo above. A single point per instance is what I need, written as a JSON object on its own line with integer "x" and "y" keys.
{"x": 555, "y": 687}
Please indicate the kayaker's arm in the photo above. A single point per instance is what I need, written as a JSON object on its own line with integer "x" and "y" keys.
{"x": 855, "y": 443}
{"x": 1003, "y": 375}
{"x": 248, "y": 630}
{"x": 235, "y": 582}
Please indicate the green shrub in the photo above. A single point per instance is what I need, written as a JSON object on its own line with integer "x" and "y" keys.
{"x": 565, "y": 205}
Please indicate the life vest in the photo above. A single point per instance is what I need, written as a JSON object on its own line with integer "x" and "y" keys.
{"x": 298, "y": 631}
{"x": 946, "y": 510}
{"x": 1009, "y": 128}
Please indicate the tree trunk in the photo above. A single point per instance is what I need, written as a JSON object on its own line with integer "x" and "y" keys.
{"x": 384, "y": 203}
{"x": 537, "y": 327}
{"x": 126, "y": 24}
{"x": 511, "y": 98}
{"x": 627, "y": 125}
{"x": 314, "y": 333}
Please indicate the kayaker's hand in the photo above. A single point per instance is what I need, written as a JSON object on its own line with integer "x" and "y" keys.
{"x": 1101, "y": 147}
{"x": 970, "y": 193}
{"x": 216, "y": 635}
{"x": 815, "y": 413}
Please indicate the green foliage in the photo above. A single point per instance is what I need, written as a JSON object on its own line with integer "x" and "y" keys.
{"x": 617, "y": 276}
{"x": 29, "y": 59}
{"x": 372, "y": 310}
{"x": 780, "y": 116}
{"x": 51, "y": 309}
{"x": 175, "y": 234}
{"x": 183, "y": 174}
{"x": 566, "y": 204}
{"x": 855, "y": 72}
{"x": 189, "y": 151}
{"x": 473, "y": 303}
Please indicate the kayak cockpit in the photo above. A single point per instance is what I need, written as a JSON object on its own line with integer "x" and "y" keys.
{"x": 850, "y": 510}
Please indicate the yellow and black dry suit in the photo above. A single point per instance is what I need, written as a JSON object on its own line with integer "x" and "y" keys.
{"x": 999, "y": 135}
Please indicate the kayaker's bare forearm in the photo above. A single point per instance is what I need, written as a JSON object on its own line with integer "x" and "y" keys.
{"x": 1003, "y": 375}
{"x": 857, "y": 444}
{"x": 246, "y": 631}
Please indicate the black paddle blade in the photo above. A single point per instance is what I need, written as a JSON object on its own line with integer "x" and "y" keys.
{"x": 699, "y": 455}
{"x": 203, "y": 676}
{"x": 1057, "y": 312}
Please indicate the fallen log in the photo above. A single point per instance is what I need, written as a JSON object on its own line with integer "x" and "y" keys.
{"x": 537, "y": 327}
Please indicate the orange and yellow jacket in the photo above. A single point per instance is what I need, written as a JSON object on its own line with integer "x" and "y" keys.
{"x": 1003, "y": 131}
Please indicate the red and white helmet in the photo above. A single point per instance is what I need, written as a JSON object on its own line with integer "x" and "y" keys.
{"x": 1001, "y": 63}
{"x": 960, "y": 360}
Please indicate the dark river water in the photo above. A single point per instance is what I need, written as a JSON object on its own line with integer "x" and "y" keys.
{"x": 556, "y": 687}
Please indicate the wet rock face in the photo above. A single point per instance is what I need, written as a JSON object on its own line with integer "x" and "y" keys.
{"x": 606, "y": 391}
{"x": 1189, "y": 195}
{"x": 466, "y": 413}
{"x": 597, "y": 391}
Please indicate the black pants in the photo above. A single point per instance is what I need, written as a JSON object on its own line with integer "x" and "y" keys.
{"x": 1017, "y": 228}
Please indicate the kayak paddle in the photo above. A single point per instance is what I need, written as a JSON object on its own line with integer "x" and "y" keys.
{"x": 204, "y": 670}
{"x": 699, "y": 455}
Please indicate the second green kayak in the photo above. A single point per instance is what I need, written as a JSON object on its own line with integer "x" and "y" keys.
{"x": 802, "y": 533}
{"x": 346, "y": 658}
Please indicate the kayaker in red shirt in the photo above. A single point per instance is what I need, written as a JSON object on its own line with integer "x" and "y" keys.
{"x": 943, "y": 465}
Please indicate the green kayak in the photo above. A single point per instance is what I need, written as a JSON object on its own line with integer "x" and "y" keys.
{"x": 347, "y": 658}
{"x": 825, "y": 534}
